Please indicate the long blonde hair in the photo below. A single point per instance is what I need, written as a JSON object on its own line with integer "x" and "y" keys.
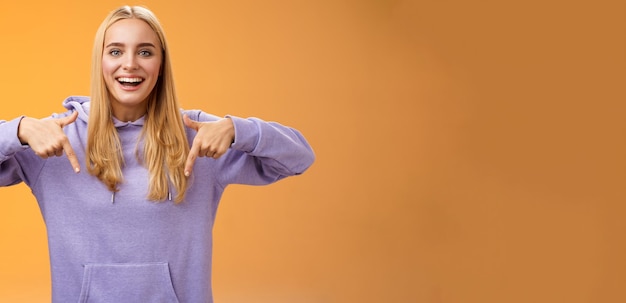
{"x": 165, "y": 145}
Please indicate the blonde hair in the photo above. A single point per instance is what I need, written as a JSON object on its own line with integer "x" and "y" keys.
{"x": 165, "y": 145}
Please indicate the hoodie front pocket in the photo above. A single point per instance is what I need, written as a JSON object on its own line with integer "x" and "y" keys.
{"x": 127, "y": 283}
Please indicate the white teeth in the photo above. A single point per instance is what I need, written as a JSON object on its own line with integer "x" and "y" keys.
{"x": 129, "y": 80}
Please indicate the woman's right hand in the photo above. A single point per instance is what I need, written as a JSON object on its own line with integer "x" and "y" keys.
{"x": 47, "y": 139}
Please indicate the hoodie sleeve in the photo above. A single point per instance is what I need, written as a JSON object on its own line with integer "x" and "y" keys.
{"x": 262, "y": 153}
{"x": 14, "y": 158}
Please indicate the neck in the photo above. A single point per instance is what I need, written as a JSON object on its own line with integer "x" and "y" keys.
{"x": 125, "y": 114}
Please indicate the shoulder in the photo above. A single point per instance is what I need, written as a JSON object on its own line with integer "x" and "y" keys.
{"x": 199, "y": 115}
{"x": 76, "y": 103}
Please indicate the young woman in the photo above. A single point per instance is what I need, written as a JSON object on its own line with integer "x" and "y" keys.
{"x": 127, "y": 183}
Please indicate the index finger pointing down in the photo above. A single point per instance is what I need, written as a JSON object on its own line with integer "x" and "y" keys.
{"x": 191, "y": 159}
{"x": 69, "y": 152}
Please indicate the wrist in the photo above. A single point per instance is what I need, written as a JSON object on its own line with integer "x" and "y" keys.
{"x": 22, "y": 130}
{"x": 230, "y": 126}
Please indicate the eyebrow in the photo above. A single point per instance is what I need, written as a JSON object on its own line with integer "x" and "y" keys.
{"x": 144, "y": 44}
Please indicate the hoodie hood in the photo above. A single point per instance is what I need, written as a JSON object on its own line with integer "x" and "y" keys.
{"x": 82, "y": 104}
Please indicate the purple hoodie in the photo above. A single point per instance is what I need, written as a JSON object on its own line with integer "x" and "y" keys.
{"x": 125, "y": 248}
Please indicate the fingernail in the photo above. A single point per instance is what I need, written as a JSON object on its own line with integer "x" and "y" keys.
{"x": 186, "y": 173}
{"x": 77, "y": 170}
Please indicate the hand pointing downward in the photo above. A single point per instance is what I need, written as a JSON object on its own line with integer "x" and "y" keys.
{"x": 212, "y": 139}
{"x": 47, "y": 139}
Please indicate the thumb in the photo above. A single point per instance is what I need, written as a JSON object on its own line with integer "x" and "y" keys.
{"x": 67, "y": 120}
{"x": 191, "y": 123}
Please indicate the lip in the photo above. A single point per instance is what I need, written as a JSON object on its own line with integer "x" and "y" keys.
{"x": 129, "y": 88}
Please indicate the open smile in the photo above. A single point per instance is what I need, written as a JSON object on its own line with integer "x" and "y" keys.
{"x": 129, "y": 82}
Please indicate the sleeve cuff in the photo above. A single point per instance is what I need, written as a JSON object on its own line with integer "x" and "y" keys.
{"x": 9, "y": 141}
{"x": 246, "y": 134}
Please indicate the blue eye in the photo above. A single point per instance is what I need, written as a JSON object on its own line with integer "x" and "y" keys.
{"x": 115, "y": 52}
{"x": 145, "y": 53}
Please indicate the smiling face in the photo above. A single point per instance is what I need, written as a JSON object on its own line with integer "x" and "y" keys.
{"x": 131, "y": 62}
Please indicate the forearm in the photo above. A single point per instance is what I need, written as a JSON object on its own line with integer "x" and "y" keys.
{"x": 10, "y": 169}
{"x": 9, "y": 139}
{"x": 282, "y": 147}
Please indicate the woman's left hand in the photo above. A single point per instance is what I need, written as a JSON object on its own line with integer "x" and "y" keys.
{"x": 212, "y": 140}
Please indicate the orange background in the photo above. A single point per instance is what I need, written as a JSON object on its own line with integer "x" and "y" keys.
{"x": 467, "y": 151}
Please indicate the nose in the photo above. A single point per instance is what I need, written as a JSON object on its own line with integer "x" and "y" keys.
{"x": 130, "y": 62}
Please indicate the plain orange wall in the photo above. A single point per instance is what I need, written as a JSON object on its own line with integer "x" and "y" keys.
{"x": 468, "y": 151}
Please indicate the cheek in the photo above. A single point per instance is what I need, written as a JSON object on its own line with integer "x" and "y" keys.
{"x": 107, "y": 68}
{"x": 154, "y": 69}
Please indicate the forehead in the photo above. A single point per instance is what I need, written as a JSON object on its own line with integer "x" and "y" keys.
{"x": 131, "y": 32}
